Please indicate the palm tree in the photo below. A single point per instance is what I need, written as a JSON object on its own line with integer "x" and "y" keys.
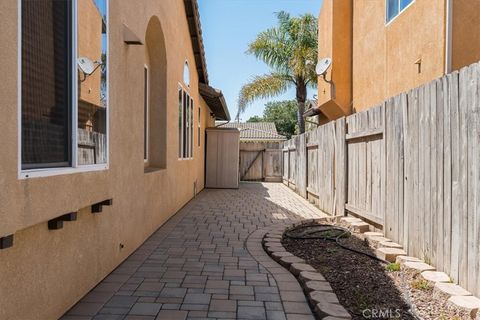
{"x": 290, "y": 50}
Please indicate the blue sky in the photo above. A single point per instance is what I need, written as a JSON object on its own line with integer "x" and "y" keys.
{"x": 228, "y": 27}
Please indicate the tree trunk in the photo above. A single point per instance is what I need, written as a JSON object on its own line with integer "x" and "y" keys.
{"x": 301, "y": 98}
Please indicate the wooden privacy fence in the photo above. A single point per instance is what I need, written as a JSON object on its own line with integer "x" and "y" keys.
{"x": 411, "y": 166}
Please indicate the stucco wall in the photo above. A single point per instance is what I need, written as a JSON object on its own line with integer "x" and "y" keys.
{"x": 384, "y": 56}
{"x": 335, "y": 41}
{"x": 46, "y": 272}
{"x": 465, "y": 33}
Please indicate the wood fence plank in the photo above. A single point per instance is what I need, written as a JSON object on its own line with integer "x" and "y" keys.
{"x": 433, "y": 187}
{"x": 456, "y": 184}
{"x": 439, "y": 227}
{"x": 447, "y": 170}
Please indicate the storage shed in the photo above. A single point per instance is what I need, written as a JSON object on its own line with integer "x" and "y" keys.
{"x": 222, "y": 158}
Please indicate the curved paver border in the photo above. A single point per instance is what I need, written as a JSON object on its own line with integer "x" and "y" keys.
{"x": 293, "y": 275}
{"x": 291, "y": 293}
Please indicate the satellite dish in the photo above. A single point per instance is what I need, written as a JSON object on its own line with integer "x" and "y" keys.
{"x": 323, "y": 65}
{"x": 86, "y": 65}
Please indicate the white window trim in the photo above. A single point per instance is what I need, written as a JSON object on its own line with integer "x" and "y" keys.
{"x": 398, "y": 14}
{"x": 74, "y": 168}
{"x": 145, "y": 67}
{"x": 190, "y": 157}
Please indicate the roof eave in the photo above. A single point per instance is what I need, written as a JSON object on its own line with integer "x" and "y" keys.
{"x": 194, "y": 25}
{"x": 215, "y": 101}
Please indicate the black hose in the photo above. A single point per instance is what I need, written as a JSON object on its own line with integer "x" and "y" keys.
{"x": 345, "y": 231}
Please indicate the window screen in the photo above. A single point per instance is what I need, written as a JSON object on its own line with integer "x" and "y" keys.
{"x": 46, "y": 83}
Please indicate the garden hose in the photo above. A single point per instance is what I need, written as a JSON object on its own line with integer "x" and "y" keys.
{"x": 325, "y": 232}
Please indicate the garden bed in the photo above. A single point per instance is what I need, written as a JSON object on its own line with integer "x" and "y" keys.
{"x": 369, "y": 288}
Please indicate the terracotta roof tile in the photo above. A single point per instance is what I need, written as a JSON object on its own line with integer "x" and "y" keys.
{"x": 256, "y": 131}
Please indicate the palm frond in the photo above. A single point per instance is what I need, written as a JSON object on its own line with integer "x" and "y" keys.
{"x": 272, "y": 47}
{"x": 290, "y": 47}
{"x": 264, "y": 86}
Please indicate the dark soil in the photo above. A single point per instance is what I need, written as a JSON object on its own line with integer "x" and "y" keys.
{"x": 364, "y": 286}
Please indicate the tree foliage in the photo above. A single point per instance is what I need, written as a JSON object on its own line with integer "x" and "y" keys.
{"x": 283, "y": 114}
{"x": 290, "y": 50}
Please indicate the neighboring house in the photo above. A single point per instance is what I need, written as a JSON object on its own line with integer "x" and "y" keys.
{"x": 260, "y": 157}
{"x": 104, "y": 107}
{"x": 256, "y": 132}
{"x": 380, "y": 48}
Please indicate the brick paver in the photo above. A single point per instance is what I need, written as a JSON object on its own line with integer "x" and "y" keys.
{"x": 198, "y": 266}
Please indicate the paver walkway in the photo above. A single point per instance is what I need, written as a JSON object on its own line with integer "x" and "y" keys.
{"x": 197, "y": 266}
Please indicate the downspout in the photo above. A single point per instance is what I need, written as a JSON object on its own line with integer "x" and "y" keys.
{"x": 448, "y": 35}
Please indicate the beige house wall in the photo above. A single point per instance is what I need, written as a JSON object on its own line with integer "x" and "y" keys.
{"x": 47, "y": 271}
{"x": 334, "y": 20}
{"x": 389, "y": 58}
{"x": 385, "y": 55}
{"x": 465, "y": 32}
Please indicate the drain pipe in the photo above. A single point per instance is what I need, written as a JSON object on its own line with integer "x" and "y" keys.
{"x": 448, "y": 35}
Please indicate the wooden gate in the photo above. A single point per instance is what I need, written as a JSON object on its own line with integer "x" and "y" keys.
{"x": 260, "y": 164}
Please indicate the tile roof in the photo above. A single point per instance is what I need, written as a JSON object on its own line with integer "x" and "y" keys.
{"x": 256, "y": 131}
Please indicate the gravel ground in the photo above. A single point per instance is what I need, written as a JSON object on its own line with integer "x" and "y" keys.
{"x": 365, "y": 287}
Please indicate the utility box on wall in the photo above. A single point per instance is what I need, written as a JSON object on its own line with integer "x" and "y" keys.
{"x": 222, "y": 158}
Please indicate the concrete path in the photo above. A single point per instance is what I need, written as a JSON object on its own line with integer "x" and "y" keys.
{"x": 197, "y": 265}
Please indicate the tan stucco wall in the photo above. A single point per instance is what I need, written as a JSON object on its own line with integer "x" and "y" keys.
{"x": 334, "y": 20}
{"x": 46, "y": 272}
{"x": 384, "y": 56}
{"x": 465, "y": 33}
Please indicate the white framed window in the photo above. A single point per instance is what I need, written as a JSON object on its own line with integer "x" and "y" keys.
{"x": 63, "y": 87}
{"x": 395, "y": 8}
{"x": 185, "y": 124}
{"x": 146, "y": 112}
{"x": 199, "y": 128}
{"x": 186, "y": 74}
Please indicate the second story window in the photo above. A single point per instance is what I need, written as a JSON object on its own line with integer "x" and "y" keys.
{"x": 395, "y": 7}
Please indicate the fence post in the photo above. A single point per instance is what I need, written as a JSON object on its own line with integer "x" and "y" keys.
{"x": 340, "y": 167}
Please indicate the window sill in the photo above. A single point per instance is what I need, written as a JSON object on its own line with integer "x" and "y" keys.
{"x": 152, "y": 169}
{"x": 50, "y": 172}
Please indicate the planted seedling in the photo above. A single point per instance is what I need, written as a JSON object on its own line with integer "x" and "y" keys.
{"x": 393, "y": 267}
{"x": 420, "y": 284}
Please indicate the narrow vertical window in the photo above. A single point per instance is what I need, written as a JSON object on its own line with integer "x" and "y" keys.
{"x": 185, "y": 124}
{"x": 199, "y": 128}
{"x": 145, "y": 113}
{"x": 180, "y": 122}
{"x": 186, "y": 102}
{"x": 191, "y": 129}
{"x": 46, "y": 84}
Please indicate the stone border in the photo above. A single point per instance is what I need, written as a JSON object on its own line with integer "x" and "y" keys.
{"x": 321, "y": 297}
{"x": 453, "y": 294}
{"x": 294, "y": 301}
{"x": 295, "y": 274}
